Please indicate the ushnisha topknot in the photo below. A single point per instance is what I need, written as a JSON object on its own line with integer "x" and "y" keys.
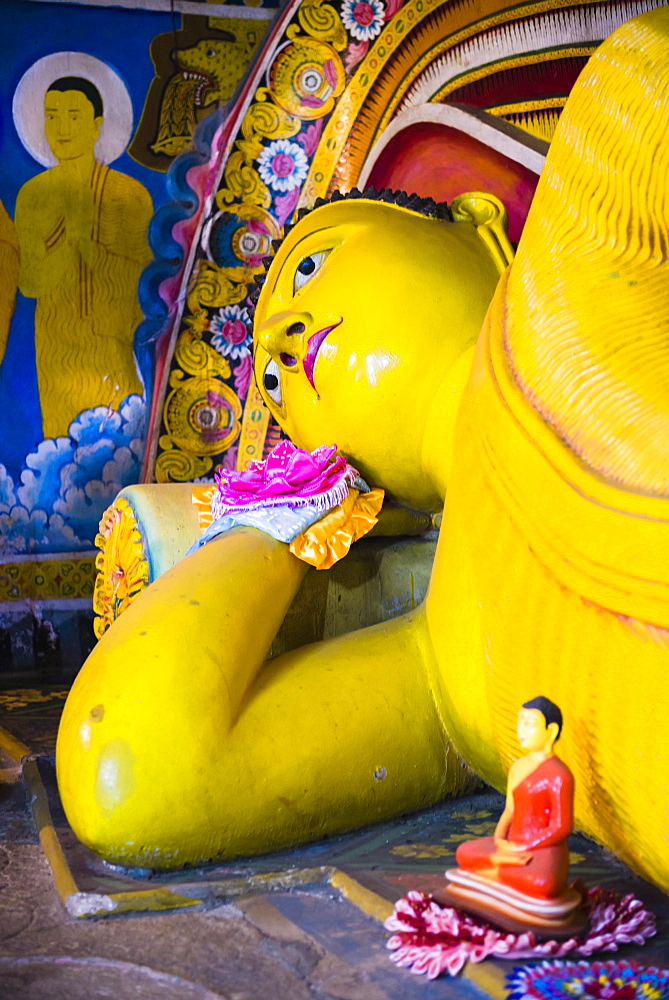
{"x": 428, "y": 207}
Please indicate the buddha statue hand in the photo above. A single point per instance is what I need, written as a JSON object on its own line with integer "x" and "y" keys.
{"x": 314, "y": 501}
{"x": 507, "y": 852}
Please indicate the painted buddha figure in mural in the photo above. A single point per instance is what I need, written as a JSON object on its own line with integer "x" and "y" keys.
{"x": 82, "y": 230}
{"x": 9, "y": 275}
{"x": 540, "y": 418}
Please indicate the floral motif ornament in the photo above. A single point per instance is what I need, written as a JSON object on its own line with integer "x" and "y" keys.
{"x": 231, "y": 333}
{"x": 122, "y": 567}
{"x": 480, "y": 824}
{"x": 22, "y": 697}
{"x": 231, "y": 336}
{"x": 614, "y": 980}
{"x": 419, "y": 850}
{"x": 282, "y": 165}
{"x": 202, "y": 414}
{"x": 363, "y": 18}
{"x": 306, "y": 77}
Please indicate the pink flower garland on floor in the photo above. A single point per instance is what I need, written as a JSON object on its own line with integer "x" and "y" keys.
{"x": 290, "y": 477}
{"x": 430, "y": 939}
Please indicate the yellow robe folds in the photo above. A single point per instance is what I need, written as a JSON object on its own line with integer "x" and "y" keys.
{"x": 560, "y": 483}
{"x": 82, "y": 252}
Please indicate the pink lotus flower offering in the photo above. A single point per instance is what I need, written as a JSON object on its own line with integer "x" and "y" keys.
{"x": 431, "y": 939}
{"x": 289, "y": 476}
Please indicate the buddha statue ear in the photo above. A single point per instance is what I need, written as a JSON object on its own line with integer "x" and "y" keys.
{"x": 552, "y": 732}
{"x": 488, "y": 214}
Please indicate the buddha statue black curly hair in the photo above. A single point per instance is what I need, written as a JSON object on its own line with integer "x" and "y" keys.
{"x": 428, "y": 207}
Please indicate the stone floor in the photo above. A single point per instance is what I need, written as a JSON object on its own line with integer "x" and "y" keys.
{"x": 252, "y": 949}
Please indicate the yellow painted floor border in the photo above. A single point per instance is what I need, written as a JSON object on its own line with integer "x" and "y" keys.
{"x": 91, "y": 904}
{"x": 12, "y": 747}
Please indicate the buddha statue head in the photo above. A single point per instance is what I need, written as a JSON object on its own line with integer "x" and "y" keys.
{"x": 539, "y": 725}
{"x": 367, "y": 306}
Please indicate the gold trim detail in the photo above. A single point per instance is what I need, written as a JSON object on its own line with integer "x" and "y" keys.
{"x": 541, "y": 124}
{"x": 48, "y": 579}
{"x": 355, "y": 132}
{"x": 538, "y": 118}
{"x": 532, "y": 59}
{"x": 254, "y": 428}
{"x": 522, "y": 107}
{"x": 122, "y": 567}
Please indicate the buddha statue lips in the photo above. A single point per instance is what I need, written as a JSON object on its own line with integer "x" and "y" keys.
{"x": 313, "y": 347}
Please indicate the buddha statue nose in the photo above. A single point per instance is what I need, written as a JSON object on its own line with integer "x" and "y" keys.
{"x": 284, "y": 337}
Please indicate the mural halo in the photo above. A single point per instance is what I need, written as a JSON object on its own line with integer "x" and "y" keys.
{"x": 28, "y": 104}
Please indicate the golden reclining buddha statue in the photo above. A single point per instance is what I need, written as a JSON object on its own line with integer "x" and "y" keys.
{"x": 535, "y": 405}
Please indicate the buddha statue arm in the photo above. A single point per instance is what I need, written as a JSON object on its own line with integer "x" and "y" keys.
{"x": 320, "y": 739}
{"x": 506, "y": 851}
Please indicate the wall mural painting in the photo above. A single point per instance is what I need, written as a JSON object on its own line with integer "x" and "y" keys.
{"x": 433, "y": 96}
{"x": 82, "y": 231}
{"x": 95, "y": 103}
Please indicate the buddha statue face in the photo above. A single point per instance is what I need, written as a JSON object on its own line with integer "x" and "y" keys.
{"x": 70, "y": 125}
{"x": 364, "y": 310}
{"x": 534, "y": 734}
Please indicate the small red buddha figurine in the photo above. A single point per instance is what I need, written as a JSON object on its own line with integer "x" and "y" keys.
{"x": 518, "y": 877}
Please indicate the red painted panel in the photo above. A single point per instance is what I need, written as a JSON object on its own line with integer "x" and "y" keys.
{"x": 437, "y": 161}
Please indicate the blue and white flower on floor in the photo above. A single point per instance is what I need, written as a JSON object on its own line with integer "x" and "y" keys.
{"x": 616, "y": 980}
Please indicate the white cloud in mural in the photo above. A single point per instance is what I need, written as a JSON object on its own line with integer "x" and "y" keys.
{"x": 7, "y": 495}
{"x": 133, "y": 412}
{"x": 91, "y": 425}
{"x": 83, "y": 505}
{"x": 67, "y": 483}
{"x": 41, "y": 479}
{"x": 35, "y": 531}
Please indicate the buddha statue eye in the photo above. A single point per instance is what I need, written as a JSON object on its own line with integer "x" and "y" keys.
{"x": 307, "y": 268}
{"x": 271, "y": 380}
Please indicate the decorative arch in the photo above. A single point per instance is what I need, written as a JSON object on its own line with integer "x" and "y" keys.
{"x": 434, "y": 92}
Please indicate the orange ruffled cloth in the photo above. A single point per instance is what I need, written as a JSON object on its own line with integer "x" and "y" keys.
{"x": 202, "y": 497}
{"x": 327, "y": 540}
